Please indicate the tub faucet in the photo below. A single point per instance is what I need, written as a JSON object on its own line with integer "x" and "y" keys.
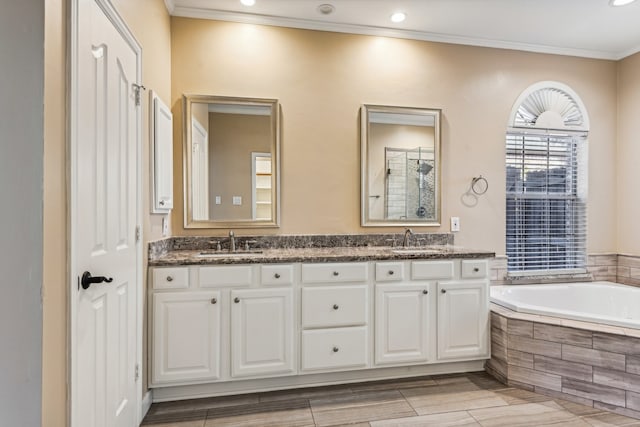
{"x": 407, "y": 233}
{"x": 232, "y": 241}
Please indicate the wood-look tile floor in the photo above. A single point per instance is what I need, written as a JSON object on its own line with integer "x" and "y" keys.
{"x": 473, "y": 399}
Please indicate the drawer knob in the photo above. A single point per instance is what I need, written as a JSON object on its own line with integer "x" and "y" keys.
{"x": 335, "y": 273}
{"x": 476, "y": 269}
{"x": 444, "y": 291}
{"x": 277, "y": 275}
{"x": 169, "y": 279}
{"x": 390, "y": 272}
{"x": 336, "y": 306}
{"x": 336, "y": 349}
{"x": 425, "y": 291}
{"x": 214, "y": 300}
{"x": 236, "y": 300}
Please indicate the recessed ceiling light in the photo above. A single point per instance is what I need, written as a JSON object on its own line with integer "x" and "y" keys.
{"x": 326, "y": 9}
{"x": 248, "y": 2}
{"x": 620, "y": 2}
{"x": 398, "y": 17}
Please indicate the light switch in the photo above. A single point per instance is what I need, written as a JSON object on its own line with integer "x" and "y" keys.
{"x": 237, "y": 200}
{"x": 218, "y": 200}
{"x": 455, "y": 223}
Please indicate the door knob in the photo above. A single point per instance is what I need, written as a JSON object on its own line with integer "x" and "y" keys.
{"x": 87, "y": 280}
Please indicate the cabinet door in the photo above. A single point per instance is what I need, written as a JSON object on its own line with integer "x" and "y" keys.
{"x": 261, "y": 332}
{"x": 463, "y": 316}
{"x": 402, "y": 324}
{"x": 186, "y": 337}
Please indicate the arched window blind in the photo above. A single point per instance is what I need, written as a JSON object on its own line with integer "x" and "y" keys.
{"x": 546, "y": 193}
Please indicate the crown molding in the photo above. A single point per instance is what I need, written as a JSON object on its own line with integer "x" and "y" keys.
{"x": 170, "y": 5}
{"x": 627, "y": 53}
{"x": 307, "y": 24}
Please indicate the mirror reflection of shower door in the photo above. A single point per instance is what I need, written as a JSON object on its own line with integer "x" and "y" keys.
{"x": 200, "y": 171}
{"x": 410, "y": 183}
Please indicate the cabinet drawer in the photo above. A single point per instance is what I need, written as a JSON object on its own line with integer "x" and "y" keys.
{"x": 474, "y": 269}
{"x": 334, "y": 348}
{"x": 329, "y": 306}
{"x": 431, "y": 270}
{"x": 228, "y": 275}
{"x": 276, "y": 274}
{"x": 389, "y": 271}
{"x": 334, "y": 273}
{"x": 171, "y": 278}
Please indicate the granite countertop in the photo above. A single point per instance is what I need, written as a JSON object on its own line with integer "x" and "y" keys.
{"x": 318, "y": 255}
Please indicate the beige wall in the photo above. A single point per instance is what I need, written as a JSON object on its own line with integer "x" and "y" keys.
{"x": 149, "y": 22}
{"x": 628, "y": 208}
{"x": 321, "y": 80}
{"x": 232, "y": 139}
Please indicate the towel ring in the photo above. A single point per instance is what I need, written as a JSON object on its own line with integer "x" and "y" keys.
{"x": 479, "y": 185}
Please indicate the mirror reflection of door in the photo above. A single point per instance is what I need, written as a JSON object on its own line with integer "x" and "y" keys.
{"x": 200, "y": 169}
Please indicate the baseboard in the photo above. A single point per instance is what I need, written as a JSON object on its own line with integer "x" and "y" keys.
{"x": 146, "y": 404}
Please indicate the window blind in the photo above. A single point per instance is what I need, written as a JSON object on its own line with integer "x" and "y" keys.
{"x": 546, "y": 203}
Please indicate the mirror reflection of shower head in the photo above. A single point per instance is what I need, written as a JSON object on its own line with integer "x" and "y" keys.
{"x": 424, "y": 168}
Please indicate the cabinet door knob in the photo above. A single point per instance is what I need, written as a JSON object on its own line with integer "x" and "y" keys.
{"x": 390, "y": 272}
{"x": 236, "y": 300}
{"x": 277, "y": 275}
{"x": 161, "y": 202}
{"x": 425, "y": 291}
{"x": 336, "y": 306}
{"x": 214, "y": 300}
{"x": 169, "y": 278}
{"x": 335, "y": 273}
{"x": 444, "y": 291}
{"x": 476, "y": 269}
{"x": 336, "y": 349}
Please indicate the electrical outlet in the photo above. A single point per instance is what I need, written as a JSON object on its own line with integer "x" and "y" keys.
{"x": 237, "y": 200}
{"x": 218, "y": 200}
{"x": 455, "y": 223}
{"x": 165, "y": 226}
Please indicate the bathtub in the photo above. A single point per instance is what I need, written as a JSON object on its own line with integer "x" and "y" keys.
{"x": 599, "y": 302}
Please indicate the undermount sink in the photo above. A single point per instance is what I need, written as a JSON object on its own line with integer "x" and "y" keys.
{"x": 225, "y": 254}
{"x": 415, "y": 251}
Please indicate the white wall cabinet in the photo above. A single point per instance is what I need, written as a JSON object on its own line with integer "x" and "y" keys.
{"x": 402, "y": 323}
{"x": 261, "y": 332}
{"x": 186, "y": 336}
{"x": 162, "y": 155}
{"x": 463, "y": 316}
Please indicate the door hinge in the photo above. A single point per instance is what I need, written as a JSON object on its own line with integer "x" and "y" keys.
{"x": 137, "y": 233}
{"x": 136, "y": 92}
{"x": 137, "y": 372}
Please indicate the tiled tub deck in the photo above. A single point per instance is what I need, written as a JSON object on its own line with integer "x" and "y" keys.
{"x": 595, "y": 365}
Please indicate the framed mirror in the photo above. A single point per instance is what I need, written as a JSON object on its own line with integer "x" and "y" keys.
{"x": 400, "y": 166}
{"x": 231, "y": 162}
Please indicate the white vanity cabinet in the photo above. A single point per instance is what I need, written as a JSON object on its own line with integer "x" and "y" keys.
{"x": 463, "y": 317}
{"x": 186, "y": 336}
{"x": 224, "y": 329}
{"x": 335, "y": 317}
{"x": 217, "y": 323}
{"x": 261, "y": 332}
{"x": 402, "y": 323}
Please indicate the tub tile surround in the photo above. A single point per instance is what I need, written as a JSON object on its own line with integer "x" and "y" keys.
{"x": 624, "y": 269}
{"x": 594, "y": 365}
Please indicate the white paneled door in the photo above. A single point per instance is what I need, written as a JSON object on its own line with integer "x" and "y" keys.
{"x": 104, "y": 193}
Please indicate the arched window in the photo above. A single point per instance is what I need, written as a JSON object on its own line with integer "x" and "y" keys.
{"x": 546, "y": 194}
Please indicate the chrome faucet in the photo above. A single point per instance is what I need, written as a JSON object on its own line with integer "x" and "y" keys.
{"x": 232, "y": 241}
{"x": 407, "y": 233}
